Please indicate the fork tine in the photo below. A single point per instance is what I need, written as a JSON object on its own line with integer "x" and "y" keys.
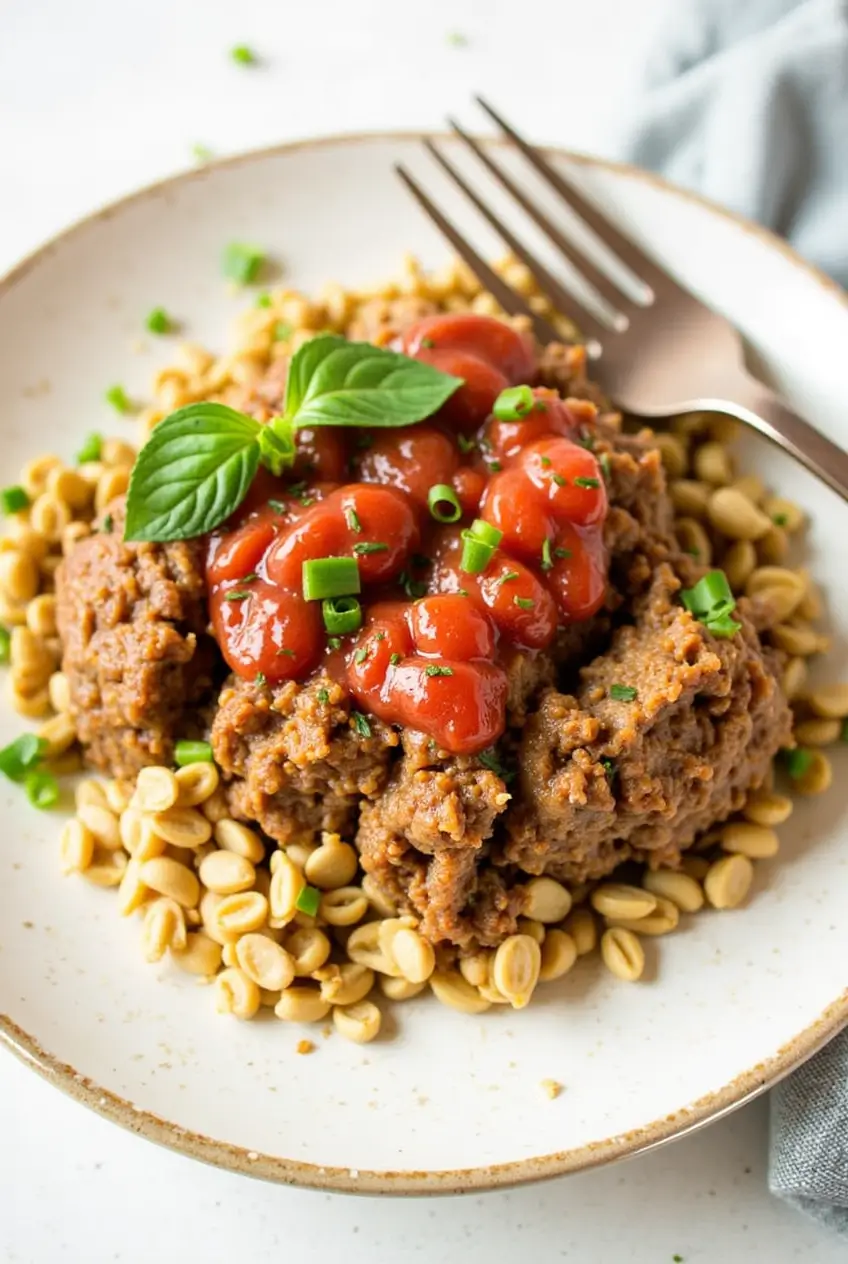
{"x": 509, "y": 300}
{"x": 597, "y": 279}
{"x": 550, "y": 287}
{"x": 627, "y": 251}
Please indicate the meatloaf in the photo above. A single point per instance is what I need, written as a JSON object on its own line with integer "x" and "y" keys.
{"x": 132, "y": 618}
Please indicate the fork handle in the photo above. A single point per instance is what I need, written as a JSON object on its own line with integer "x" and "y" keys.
{"x": 766, "y": 412}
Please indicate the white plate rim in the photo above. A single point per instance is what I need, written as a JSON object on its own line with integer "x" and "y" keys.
{"x": 707, "y": 1109}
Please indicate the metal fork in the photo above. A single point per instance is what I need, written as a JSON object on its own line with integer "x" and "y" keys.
{"x": 671, "y": 355}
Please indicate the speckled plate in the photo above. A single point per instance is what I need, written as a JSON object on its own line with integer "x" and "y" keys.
{"x": 444, "y": 1102}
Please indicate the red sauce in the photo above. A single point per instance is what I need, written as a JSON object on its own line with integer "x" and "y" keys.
{"x": 427, "y": 656}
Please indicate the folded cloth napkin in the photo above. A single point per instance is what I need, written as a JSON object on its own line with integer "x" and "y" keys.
{"x": 746, "y": 101}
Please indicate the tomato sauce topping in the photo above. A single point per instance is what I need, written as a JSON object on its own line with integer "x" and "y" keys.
{"x": 427, "y": 653}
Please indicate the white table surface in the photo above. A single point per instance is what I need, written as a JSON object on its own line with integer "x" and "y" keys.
{"x": 96, "y": 98}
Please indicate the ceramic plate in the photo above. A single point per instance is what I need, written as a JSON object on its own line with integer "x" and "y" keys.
{"x": 447, "y": 1102}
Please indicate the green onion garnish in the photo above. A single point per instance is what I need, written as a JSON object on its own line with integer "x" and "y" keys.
{"x": 610, "y": 770}
{"x": 186, "y": 752}
{"x": 42, "y": 788}
{"x": 260, "y": 680}
{"x": 334, "y": 642}
{"x": 91, "y": 448}
{"x": 587, "y": 482}
{"x": 243, "y": 55}
{"x": 369, "y": 546}
{"x": 107, "y": 524}
{"x": 158, "y": 322}
{"x": 118, "y": 398}
{"x": 201, "y": 153}
{"x": 323, "y": 695}
{"x": 622, "y": 693}
{"x": 604, "y": 462}
{"x": 524, "y": 603}
{"x": 780, "y": 519}
{"x": 486, "y": 532}
{"x": 465, "y": 444}
{"x": 395, "y": 659}
{"x": 241, "y": 262}
{"x": 562, "y": 553}
{"x": 443, "y": 503}
{"x": 513, "y": 403}
{"x": 283, "y": 651}
{"x": 352, "y": 519}
{"x": 507, "y": 577}
{"x": 712, "y": 603}
{"x": 360, "y": 656}
{"x": 559, "y": 480}
{"x": 476, "y": 554}
{"x": 330, "y": 577}
{"x": 278, "y": 506}
{"x": 545, "y": 462}
{"x": 433, "y": 670}
{"x": 796, "y": 761}
{"x": 264, "y": 300}
{"x": 308, "y": 901}
{"x": 341, "y": 615}
{"x": 237, "y": 594}
{"x": 21, "y": 755}
{"x": 14, "y": 499}
{"x": 5, "y": 644}
{"x": 360, "y": 723}
{"x": 489, "y": 760}
{"x": 547, "y": 560}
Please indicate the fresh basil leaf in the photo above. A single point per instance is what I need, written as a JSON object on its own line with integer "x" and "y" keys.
{"x": 333, "y": 382}
{"x": 192, "y": 473}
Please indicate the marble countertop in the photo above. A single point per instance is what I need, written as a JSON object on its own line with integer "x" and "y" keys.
{"x": 97, "y": 98}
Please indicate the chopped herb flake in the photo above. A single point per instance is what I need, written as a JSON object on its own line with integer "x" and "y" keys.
{"x": 465, "y": 444}
{"x": 360, "y": 656}
{"x": 260, "y": 679}
{"x": 278, "y": 506}
{"x": 91, "y": 448}
{"x": 490, "y": 761}
{"x": 432, "y": 670}
{"x": 507, "y": 577}
{"x": 249, "y": 578}
{"x": 427, "y": 342}
{"x": 381, "y": 636}
{"x": 547, "y": 560}
{"x": 264, "y": 300}
{"x": 334, "y": 642}
{"x": 524, "y": 603}
{"x": 559, "y": 480}
{"x": 107, "y": 524}
{"x": 712, "y": 603}
{"x": 495, "y": 467}
{"x": 118, "y": 398}
{"x": 780, "y": 519}
{"x": 282, "y": 650}
{"x": 586, "y": 482}
{"x": 622, "y": 693}
{"x": 237, "y": 594}
{"x": 241, "y": 262}
{"x": 243, "y": 55}
{"x": 395, "y": 659}
{"x": 604, "y": 462}
{"x": 545, "y": 462}
{"x": 186, "y": 753}
{"x": 562, "y": 553}
{"x": 42, "y": 788}
{"x": 587, "y": 441}
{"x": 158, "y": 322}
{"x": 352, "y": 519}
{"x": 308, "y": 901}
{"x": 369, "y": 546}
{"x": 610, "y": 770}
{"x": 14, "y": 499}
{"x": 201, "y": 153}
{"x": 22, "y": 755}
{"x": 360, "y": 723}
{"x": 797, "y": 761}
{"x": 323, "y": 695}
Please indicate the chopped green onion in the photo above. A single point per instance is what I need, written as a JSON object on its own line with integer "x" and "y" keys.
{"x": 243, "y": 55}
{"x": 22, "y": 755}
{"x": 330, "y": 577}
{"x": 341, "y": 615}
{"x": 186, "y": 752}
{"x": 547, "y": 560}
{"x": 465, "y": 444}
{"x": 323, "y": 695}
{"x": 237, "y": 594}
{"x": 42, "y": 788}
{"x": 476, "y": 554}
{"x": 284, "y": 651}
{"x": 796, "y": 761}
{"x": 14, "y": 499}
{"x": 427, "y": 343}
{"x": 507, "y": 577}
{"x": 622, "y": 693}
{"x": 118, "y": 398}
{"x": 201, "y": 153}
{"x": 107, "y": 524}
{"x": 432, "y": 670}
{"x": 360, "y": 656}
{"x": 395, "y": 659}
{"x": 381, "y": 636}
{"x": 264, "y": 300}
{"x": 260, "y": 680}
{"x": 587, "y": 441}
{"x": 524, "y": 603}
{"x": 712, "y": 603}
{"x": 604, "y": 462}
{"x": 545, "y": 462}
{"x": 308, "y": 901}
{"x": 489, "y": 760}
{"x": 158, "y": 322}
{"x": 494, "y": 467}
{"x": 586, "y": 482}
{"x": 360, "y": 723}
{"x": 559, "y": 480}
{"x": 780, "y": 519}
{"x": 562, "y": 553}
{"x": 369, "y": 546}
{"x": 352, "y": 519}
{"x": 486, "y": 532}
{"x": 610, "y": 770}
{"x": 241, "y": 262}
{"x": 443, "y": 503}
{"x": 5, "y": 644}
{"x": 91, "y": 448}
{"x": 334, "y": 642}
{"x": 248, "y": 578}
{"x": 514, "y": 403}
{"x": 278, "y": 506}
{"x": 282, "y": 331}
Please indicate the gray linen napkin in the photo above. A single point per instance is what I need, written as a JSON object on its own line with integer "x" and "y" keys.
{"x": 746, "y": 101}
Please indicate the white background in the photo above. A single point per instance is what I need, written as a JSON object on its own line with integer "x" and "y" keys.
{"x": 96, "y": 98}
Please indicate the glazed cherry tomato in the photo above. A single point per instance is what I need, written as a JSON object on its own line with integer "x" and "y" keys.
{"x": 234, "y": 554}
{"x": 513, "y": 505}
{"x": 482, "y": 383}
{"x": 568, "y": 479}
{"x": 451, "y": 626}
{"x": 267, "y": 630}
{"x": 321, "y": 454}
{"x": 469, "y": 485}
{"x": 462, "y": 709}
{"x": 413, "y": 459}
{"x": 520, "y": 604}
{"x": 578, "y": 576}
{"x": 549, "y": 416}
{"x": 370, "y": 660}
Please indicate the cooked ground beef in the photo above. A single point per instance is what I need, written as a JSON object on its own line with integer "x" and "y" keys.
{"x": 132, "y": 619}
{"x": 298, "y": 762}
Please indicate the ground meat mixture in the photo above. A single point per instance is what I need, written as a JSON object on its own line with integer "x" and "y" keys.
{"x": 580, "y": 782}
{"x": 132, "y": 619}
